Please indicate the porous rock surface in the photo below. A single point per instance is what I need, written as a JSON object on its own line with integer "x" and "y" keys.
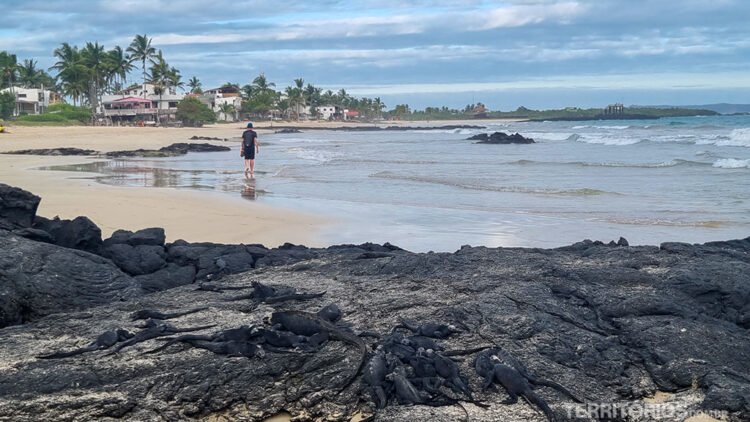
{"x": 610, "y": 322}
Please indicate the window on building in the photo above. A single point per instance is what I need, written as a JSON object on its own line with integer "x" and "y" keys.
{"x": 172, "y": 104}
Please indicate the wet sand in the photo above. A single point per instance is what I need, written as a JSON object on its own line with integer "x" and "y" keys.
{"x": 189, "y": 215}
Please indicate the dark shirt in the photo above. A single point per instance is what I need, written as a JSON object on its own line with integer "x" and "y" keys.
{"x": 248, "y": 140}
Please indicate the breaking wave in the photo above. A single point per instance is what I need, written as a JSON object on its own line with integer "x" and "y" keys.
{"x": 607, "y": 140}
{"x": 732, "y": 163}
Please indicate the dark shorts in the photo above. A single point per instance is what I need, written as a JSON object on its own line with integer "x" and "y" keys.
{"x": 250, "y": 155}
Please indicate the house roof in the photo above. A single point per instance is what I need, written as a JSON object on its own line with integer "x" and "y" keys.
{"x": 131, "y": 100}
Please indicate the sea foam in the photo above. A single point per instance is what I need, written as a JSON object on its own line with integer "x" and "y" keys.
{"x": 732, "y": 163}
{"x": 315, "y": 155}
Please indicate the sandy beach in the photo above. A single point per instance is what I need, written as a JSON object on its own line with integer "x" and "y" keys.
{"x": 189, "y": 215}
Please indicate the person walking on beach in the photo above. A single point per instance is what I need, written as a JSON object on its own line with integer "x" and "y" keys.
{"x": 250, "y": 147}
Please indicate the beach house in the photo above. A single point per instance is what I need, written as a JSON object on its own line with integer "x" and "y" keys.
{"x": 134, "y": 105}
{"x": 32, "y": 100}
{"x": 329, "y": 112}
{"x": 225, "y": 101}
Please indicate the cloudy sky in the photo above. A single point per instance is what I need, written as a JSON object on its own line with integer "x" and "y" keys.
{"x": 536, "y": 53}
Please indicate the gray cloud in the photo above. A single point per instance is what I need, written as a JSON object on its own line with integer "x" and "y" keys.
{"x": 396, "y": 43}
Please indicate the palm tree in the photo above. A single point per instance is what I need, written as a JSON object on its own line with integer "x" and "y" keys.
{"x": 328, "y": 97}
{"x": 227, "y": 110}
{"x": 161, "y": 78}
{"x": 175, "y": 79}
{"x": 28, "y": 74}
{"x": 343, "y": 98}
{"x": 140, "y": 49}
{"x": 8, "y": 69}
{"x": 74, "y": 80}
{"x": 119, "y": 65}
{"x": 95, "y": 59}
{"x": 312, "y": 96}
{"x": 195, "y": 85}
{"x": 260, "y": 83}
{"x": 379, "y": 107}
{"x": 72, "y": 74}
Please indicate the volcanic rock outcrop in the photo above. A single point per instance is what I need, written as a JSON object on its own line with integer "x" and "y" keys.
{"x": 609, "y": 323}
{"x": 501, "y": 138}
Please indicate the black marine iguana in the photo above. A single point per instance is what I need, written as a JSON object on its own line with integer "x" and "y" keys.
{"x": 153, "y": 329}
{"x": 269, "y": 294}
{"x": 430, "y": 329}
{"x": 374, "y": 376}
{"x": 243, "y": 334}
{"x": 497, "y": 365}
{"x": 152, "y": 314}
{"x": 104, "y": 341}
{"x": 307, "y": 324}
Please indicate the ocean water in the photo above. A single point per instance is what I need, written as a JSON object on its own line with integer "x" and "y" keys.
{"x": 681, "y": 179}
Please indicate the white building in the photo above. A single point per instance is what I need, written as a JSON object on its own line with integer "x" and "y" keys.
{"x": 215, "y": 98}
{"x": 130, "y": 105}
{"x": 328, "y": 112}
{"x": 32, "y": 100}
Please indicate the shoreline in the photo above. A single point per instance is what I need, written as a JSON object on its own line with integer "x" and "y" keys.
{"x": 188, "y": 215}
{"x": 111, "y": 207}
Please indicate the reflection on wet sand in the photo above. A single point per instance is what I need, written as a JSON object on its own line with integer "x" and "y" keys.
{"x": 248, "y": 191}
{"x": 146, "y": 173}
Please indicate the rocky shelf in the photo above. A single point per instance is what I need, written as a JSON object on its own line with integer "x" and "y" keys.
{"x": 134, "y": 328}
{"x": 168, "y": 151}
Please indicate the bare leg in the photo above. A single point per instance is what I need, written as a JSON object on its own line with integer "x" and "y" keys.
{"x": 248, "y": 166}
{"x": 252, "y": 166}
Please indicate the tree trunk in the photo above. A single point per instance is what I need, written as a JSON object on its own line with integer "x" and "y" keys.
{"x": 144, "y": 77}
{"x": 158, "y": 111}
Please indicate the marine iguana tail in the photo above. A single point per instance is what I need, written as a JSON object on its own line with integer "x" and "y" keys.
{"x": 510, "y": 360}
{"x": 104, "y": 341}
{"x": 294, "y": 296}
{"x": 517, "y": 385}
{"x": 180, "y": 339}
{"x": 307, "y": 324}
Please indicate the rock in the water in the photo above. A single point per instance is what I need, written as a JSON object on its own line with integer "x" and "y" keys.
{"x": 54, "y": 151}
{"x": 17, "y": 206}
{"x": 501, "y": 138}
{"x": 206, "y": 138}
{"x": 78, "y": 233}
{"x": 288, "y": 130}
{"x": 169, "y": 151}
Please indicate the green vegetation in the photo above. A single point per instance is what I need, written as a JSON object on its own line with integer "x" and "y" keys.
{"x": 472, "y": 111}
{"x": 64, "y": 114}
{"x": 261, "y": 100}
{"x": 192, "y": 112}
{"x": 7, "y": 104}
